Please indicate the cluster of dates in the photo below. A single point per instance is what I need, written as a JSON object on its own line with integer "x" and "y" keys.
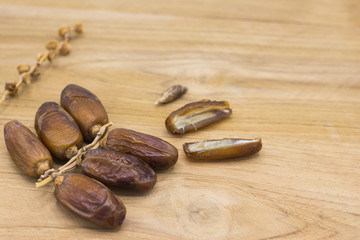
{"x": 120, "y": 157}
{"x": 125, "y": 159}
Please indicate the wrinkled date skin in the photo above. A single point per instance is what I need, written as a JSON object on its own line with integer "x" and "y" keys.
{"x": 57, "y": 130}
{"x": 159, "y": 154}
{"x": 196, "y": 115}
{"x": 118, "y": 169}
{"x": 91, "y": 200}
{"x": 26, "y": 150}
{"x": 222, "y": 148}
{"x": 85, "y": 108}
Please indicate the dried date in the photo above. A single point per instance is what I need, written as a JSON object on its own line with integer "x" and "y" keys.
{"x": 222, "y": 148}
{"x": 85, "y": 108}
{"x": 159, "y": 154}
{"x": 90, "y": 199}
{"x": 58, "y": 131}
{"x": 196, "y": 115}
{"x": 118, "y": 169}
{"x": 26, "y": 150}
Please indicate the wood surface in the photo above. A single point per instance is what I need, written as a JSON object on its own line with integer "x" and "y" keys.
{"x": 290, "y": 70}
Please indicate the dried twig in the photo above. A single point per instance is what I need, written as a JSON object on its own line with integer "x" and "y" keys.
{"x": 54, "y": 48}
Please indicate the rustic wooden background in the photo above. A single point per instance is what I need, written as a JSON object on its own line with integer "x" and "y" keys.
{"x": 290, "y": 70}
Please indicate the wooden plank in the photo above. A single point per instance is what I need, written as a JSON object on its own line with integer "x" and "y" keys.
{"x": 290, "y": 70}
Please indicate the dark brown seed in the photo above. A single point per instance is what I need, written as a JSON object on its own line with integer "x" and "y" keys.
{"x": 85, "y": 108}
{"x": 159, "y": 154}
{"x": 58, "y": 131}
{"x": 171, "y": 94}
{"x": 196, "y": 115}
{"x": 222, "y": 148}
{"x": 90, "y": 199}
{"x": 118, "y": 169}
{"x": 26, "y": 150}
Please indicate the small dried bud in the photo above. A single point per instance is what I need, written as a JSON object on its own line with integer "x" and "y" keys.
{"x": 39, "y": 57}
{"x": 35, "y": 73}
{"x": 64, "y": 48}
{"x": 25, "y": 78}
{"x": 52, "y": 45}
{"x": 23, "y": 68}
{"x": 63, "y": 31}
{"x": 78, "y": 27}
{"x": 51, "y": 55}
{"x": 10, "y": 86}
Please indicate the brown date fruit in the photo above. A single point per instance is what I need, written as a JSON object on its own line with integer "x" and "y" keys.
{"x": 26, "y": 150}
{"x": 118, "y": 169}
{"x": 58, "y": 131}
{"x": 196, "y": 115}
{"x": 222, "y": 148}
{"x": 159, "y": 154}
{"x": 85, "y": 108}
{"x": 90, "y": 199}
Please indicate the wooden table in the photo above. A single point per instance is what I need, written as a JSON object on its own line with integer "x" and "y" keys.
{"x": 290, "y": 70}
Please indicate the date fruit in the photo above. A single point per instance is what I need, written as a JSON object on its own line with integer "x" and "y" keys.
{"x": 85, "y": 108}
{"x": 159, "y": 154}
{"x": 58, "y": 131}
{"x": 222, "y": 148}
{"x": 118, "y": 169}
{"x": 196, "y": 115}
{"x": 26, "y": 150}
{"x": 90, "y": 199}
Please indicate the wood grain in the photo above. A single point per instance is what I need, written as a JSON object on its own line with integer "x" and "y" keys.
{"x": 290, "y": 70}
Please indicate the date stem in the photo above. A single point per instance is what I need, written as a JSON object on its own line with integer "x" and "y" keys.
{"x": 50, "y": 174}
{"x": 26, "y": 72}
